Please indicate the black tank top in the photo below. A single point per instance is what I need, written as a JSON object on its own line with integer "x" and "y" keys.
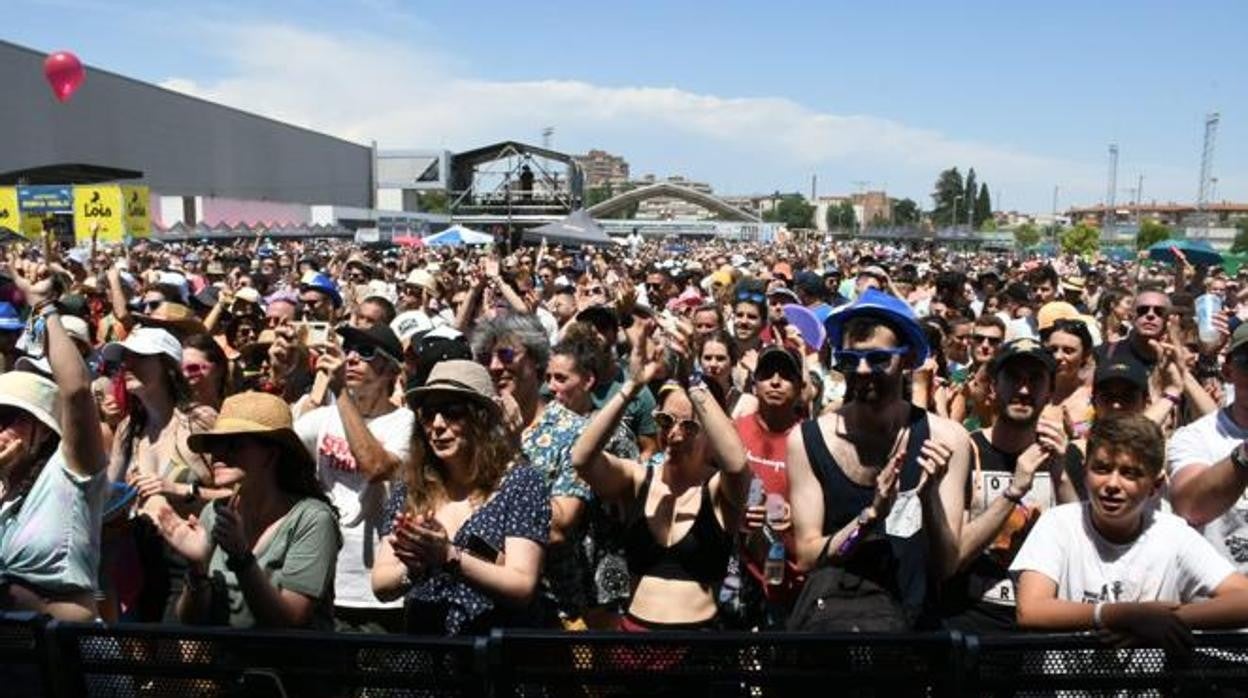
{"x": 701, "y": 555}
{"x": 896, "y": 564}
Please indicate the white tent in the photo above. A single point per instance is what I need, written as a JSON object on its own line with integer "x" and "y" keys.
{"x": 457, "y": 235}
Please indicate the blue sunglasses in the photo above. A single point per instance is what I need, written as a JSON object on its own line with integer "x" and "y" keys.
{"x": 847, "y": 360}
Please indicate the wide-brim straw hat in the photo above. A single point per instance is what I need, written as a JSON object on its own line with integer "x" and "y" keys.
{"x": 37, "y": 396}
{"x": 258, "y": 415}
{"x": 459, "y": 378}
{"x": 175, "y": 317}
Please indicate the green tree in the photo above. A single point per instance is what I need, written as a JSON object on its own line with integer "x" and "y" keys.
{"x": 983, "y": 207}
{"x": 1027, "y": 235}
{"x": 946, "y": 197}
{"x": 989, "y": 225}
{"x": 841, "y": 217}
{"x": 1241, "y": 236}
{"x": 1082, "y": 240}
{"x": 793, "y": 211}
{"x": 1151, "y": 232}
{"x": 905, "y": 212}
{"x": 433, "y": 202}
{"x": 966, "y": 207}
{"x": 597, "y": 195}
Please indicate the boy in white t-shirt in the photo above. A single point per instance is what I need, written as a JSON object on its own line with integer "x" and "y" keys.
{"x": 1117, "y": 564}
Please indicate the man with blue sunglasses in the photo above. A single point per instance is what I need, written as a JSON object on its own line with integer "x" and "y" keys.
{"x": 877, "y": 488}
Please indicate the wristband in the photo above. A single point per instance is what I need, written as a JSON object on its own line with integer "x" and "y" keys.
{"x": 1239, "y": 459}
{"x": 1016, "y": 498}
{"x": 238, "y": 564}
{"x": 1175, "y": 400}
{"x": 1098, "y": 622}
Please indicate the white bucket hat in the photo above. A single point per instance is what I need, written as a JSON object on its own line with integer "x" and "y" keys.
{"x": 33, "y": 394}
{"x": 144, "y": 341}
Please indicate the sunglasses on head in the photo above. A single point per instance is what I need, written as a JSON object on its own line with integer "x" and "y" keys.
{"x": 752, "y": 296}
{"x": 667, "y": 420}
{"x": 1145, "y": 310}
{"x": 878, "y": 360}
{"x": 450, "y": 411}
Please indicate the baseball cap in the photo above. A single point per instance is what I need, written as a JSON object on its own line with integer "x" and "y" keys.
{"x": 1050, "y": 313}
{"x": 379, "y": 336}
{"x": 788, "y": 295}
{"x": 773, "y": 357}
{"x": 144, "y": 341}
{"x": 1127, "y": 370}
{"x": 599, "y": 316}
{"x": 316, "y": 281}
{"x": 10, "y": 321}
{"x": 411, "y": 323}
{"x": 808, "y": 282}
{"x": 1020, "y": 349}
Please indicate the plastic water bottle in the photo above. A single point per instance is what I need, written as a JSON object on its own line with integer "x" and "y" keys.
{"x": 773, "y": 569}
{"x": 1207, "y": 306}
{"x": 757, "y": 493}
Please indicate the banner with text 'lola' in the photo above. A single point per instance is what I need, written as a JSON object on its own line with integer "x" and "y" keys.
{"x": 99, "y": 206}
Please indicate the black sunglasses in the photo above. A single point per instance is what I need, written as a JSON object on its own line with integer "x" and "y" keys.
{"x": 1145, "y": 310}
{"x": 366, "y": 352}
{"x": 878, "y": 360}
{"x": 666, "y": 420}
{"x": 450, "y": 411}
{"x": 981, "y": 338}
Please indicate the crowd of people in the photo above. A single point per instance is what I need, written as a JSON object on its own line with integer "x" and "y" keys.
{"x": 696, "y": 435}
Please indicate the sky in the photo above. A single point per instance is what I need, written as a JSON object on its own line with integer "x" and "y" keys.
{"x": 751, "y": 97}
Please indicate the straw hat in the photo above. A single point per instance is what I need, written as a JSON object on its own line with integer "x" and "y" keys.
{"x": 258, "y": 415}
{"x": 33, "y": 394}
{"x": 175, "y": 317}
{"x": 458, "y": 377}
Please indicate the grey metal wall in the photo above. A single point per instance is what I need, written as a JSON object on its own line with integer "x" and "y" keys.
{"x": 184, "y": 146}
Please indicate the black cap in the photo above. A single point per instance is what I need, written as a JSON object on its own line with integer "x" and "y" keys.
{"x": 774, "y": 354}
{"x": 1022, "y": 348}
{"x": 431, "y": 350}
{"x": 808, "y": 282}
{"x": 1128, "y": 370}
{"x": 600, "y": 316}
{"x": 379, "y": 336}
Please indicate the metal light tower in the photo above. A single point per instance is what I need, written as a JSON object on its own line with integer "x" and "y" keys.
{"x": 546, "y": 134}
{"x": 1206, "y": 166}
{"x": 1110, "y": 195}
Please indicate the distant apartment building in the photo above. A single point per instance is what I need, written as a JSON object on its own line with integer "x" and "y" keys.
{"x": 871, "y": 208}
{"x": 603, "y": 169}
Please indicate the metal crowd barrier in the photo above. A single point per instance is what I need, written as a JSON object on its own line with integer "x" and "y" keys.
{"x": 39, "y": 657}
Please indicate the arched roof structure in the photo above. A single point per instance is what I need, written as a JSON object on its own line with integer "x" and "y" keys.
{"x": 620, "y": 202}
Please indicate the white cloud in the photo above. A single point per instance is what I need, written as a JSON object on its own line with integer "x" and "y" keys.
{"x": 364, "y": 88}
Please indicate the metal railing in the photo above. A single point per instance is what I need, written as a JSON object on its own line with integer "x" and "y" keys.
{"x": 39, "y": 657}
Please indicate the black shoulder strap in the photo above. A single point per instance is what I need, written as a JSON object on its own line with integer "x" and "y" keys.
{"x": 816, "y": 449}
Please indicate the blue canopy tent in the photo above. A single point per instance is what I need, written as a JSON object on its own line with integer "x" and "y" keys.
{"x": 1198, "y": 252}
{"x": 457, "y": 235}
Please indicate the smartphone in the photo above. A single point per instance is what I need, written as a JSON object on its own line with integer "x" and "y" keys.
{"x": 312, "y": 334}
{"x": 481, "y": 548}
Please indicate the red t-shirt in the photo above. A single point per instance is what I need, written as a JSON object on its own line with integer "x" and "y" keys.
{"x": 765, "y": 452}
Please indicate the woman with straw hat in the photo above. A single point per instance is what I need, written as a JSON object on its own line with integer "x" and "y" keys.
{"x": 52, "y": 480}
{"x": 266, "y": 556}
{"x": 470, "y": 527}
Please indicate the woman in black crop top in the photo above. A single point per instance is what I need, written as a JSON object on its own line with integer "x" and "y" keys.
{"x": 682, "y": 507}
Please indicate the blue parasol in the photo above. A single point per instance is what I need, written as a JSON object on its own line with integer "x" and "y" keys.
{"x": 1198, "y": 252}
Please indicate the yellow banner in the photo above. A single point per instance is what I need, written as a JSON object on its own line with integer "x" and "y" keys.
{"x": 99, "y": 206}
{"x": 138, "y": 211}
{"x": 32, "y": 226}
{"x": 9, "y": 216}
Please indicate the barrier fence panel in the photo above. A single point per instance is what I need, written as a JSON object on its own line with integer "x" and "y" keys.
{"x": 24, "y": 659}
{"x": 64, "y": 660}
{"x": 726, "y": 664}
{"x": 1045, "y": 665}
{"x": 180, "y": 662}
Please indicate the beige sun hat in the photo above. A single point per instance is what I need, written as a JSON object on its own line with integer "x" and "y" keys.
{"x": 259, "y": 415}
{"x": 33, "y": 394}
{"x": 458, "y": 377}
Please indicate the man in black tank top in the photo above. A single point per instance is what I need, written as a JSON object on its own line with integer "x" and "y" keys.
{"x": 877, "y": 488}
{"x": 1021, "y": 466}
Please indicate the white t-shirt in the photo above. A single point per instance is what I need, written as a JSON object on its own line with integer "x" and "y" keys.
{"x": 1208, "y": 440}
{"x": 1169, "y": 561}
{"x": 360, "y": 503}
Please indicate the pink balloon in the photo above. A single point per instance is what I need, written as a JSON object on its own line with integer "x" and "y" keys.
{"x": 64, "y": 73}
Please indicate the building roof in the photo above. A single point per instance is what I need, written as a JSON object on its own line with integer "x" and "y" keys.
{"x": 67, "y": 173}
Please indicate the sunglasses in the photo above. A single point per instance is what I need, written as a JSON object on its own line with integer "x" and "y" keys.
{"x": 151, "y": 306}
{"x": 450, "y": 411}
{"x": 194, "y": 370}
{"x": 505, "y": 355}
{"x": 878, "y": 360}
{"x": 981, "y": 338}
{"x": 666, "y": 421}
{"x": 751, "y": 296}
{"x": 366, "y": 352}
{"x": 1146, "y": 310}
{"x": 595, "y": 291}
